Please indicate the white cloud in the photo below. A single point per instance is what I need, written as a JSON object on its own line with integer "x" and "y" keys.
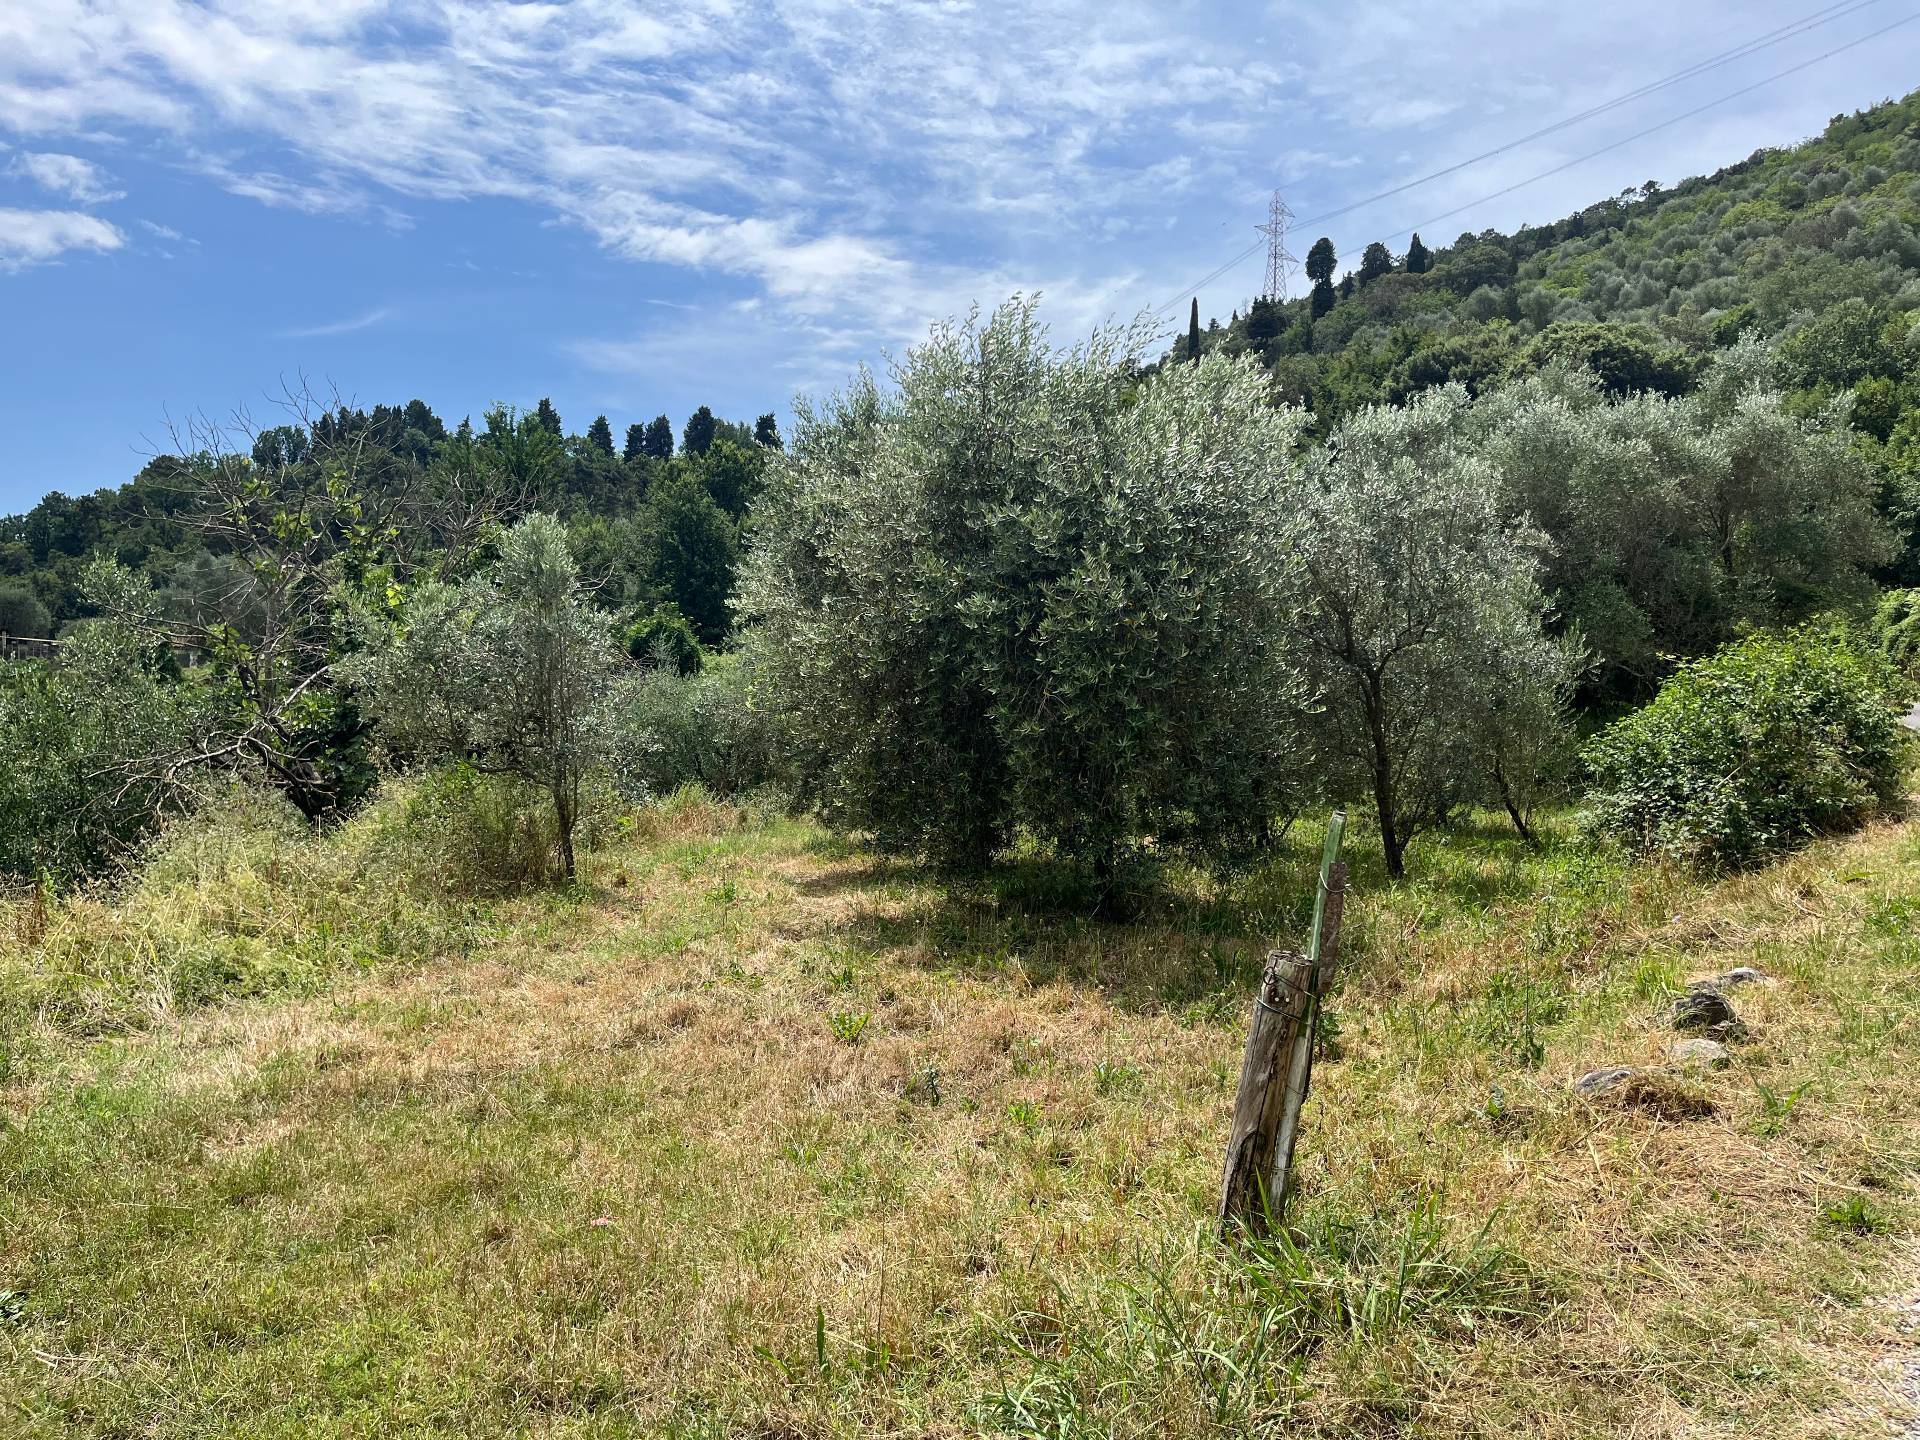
{"x": 862, "y": 168}
{"x": 364, "y": 321}
{"x": 66, "y": 175}
{"x": 34, "y": 237}
{"x": 732, "y": 139}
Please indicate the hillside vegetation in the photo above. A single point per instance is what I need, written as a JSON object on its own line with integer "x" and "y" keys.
{"x": 1817, "y": 245}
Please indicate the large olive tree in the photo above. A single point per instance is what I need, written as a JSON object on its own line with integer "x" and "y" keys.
{"x": 1023, "y": 590}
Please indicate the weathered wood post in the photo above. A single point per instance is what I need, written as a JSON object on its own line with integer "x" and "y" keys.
{"x": 1278, "y": 1066}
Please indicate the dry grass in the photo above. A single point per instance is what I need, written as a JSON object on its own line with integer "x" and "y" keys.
{"x": 759, "y": 1136}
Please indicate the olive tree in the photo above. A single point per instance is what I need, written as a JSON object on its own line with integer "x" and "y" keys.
{"x": 509, "y": 671}
{"x": 1785, "y": 502}
{"x": 1677, "y": 522}
{"x": 76, "y": 794}
{"x": 1014, "y": 592}
{"x": 1426, "y": 633}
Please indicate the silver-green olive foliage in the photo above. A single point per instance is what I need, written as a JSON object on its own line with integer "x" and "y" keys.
{"x": 1677, "y": 522}
{"x": 511, "y": 672}
{"x": 1425, "y": 634}
{"x": 1021, "y": 591}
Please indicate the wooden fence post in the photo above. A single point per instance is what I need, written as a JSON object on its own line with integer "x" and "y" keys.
{"x": 1278, "y": 1066}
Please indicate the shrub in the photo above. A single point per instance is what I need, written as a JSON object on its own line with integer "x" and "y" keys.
{"x": 1752, "y": 751}
{"x": 75, "y": 791}
{"x": 661, "y": 636}
{"x": 1026, "y": 591}
{"x": 702, "y": 729}
{"x": 21, "y": 613}
{"x": 1896, "y": 629}
{"x": 457, "y": 832}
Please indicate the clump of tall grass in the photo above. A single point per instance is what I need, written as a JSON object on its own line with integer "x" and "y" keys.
{"x": 1221, "y": 1333}
{"x": 245, "y": 898}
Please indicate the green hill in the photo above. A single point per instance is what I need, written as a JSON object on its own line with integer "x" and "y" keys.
{"x": 1817, "y": 246}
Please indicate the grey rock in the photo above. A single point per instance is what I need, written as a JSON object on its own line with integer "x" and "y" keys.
{"x": 1705, "y": 1009}
{"x": 1740, "y": 975}
{"x": 1596, "y": 1083}
{"x": 1697, "y": 1051}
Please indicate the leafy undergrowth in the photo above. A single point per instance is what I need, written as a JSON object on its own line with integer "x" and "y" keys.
{"x": 755, "y": 1135}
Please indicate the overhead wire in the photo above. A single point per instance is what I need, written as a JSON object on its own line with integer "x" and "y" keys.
{"x": 1654, "y": 129}
{"x": 1805, "y": 24}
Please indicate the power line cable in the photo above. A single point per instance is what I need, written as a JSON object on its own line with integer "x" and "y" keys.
{"x": 1799, "y": 27}
{"x": 1802, "y": 26}
{"x": 1655, "y": 129}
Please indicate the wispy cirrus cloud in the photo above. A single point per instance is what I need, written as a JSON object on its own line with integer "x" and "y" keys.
{"x": 852, "y": 169}
{"x": 771, "y": 145}
{"x": 366, "y": 320}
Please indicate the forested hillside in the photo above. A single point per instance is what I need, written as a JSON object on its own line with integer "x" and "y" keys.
{"x": 1817, "y": 246}
{"x": 670, "y": 511}
{"x": 1541, "y": 471}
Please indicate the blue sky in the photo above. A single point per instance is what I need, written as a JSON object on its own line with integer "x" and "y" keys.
{"x": 636, "y": 208}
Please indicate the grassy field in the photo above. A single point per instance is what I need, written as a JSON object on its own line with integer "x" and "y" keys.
{"x": 754, "y": 1135}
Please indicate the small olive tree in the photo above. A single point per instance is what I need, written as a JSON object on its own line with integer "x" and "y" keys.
{"x": 1425, "y": 636}
{"x": 510, "y": 671}
{"x": 1021, "y": 591}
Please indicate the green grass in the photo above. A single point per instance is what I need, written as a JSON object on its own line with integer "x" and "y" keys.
{"x": 755, "y": 1134}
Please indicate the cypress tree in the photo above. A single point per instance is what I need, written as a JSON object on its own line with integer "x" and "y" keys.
{"x": 698, "y": 436}
{"x": 548, "y": 418}
{"x": 1193, "y": 332}
{"x": 659, "y": 443}
{"x": 636, "y": 442}
{"x": 600, "y": 435}
{"x": 1419, "y": 258}
{"x": 766, "y": 431}
{"x": 1377, "y": 261}
{"x": 1320, "y": 261}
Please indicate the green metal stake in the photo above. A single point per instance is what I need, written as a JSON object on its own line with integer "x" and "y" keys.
{"x": 1329, "y": 857}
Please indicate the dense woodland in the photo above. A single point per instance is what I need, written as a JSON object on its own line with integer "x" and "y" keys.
{"x": 669, "y": 507}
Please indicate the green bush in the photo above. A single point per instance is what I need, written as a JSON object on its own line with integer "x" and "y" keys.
{"x": 1896, "y": 629}
{"x": 459, "y": 833}
{"x": 21, "y": 613}
{"x": 661, "y": 636}
{"x": 76, "y": 738}
{"x": 1752, "y": 751}
{"x": 705, "y": 728}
